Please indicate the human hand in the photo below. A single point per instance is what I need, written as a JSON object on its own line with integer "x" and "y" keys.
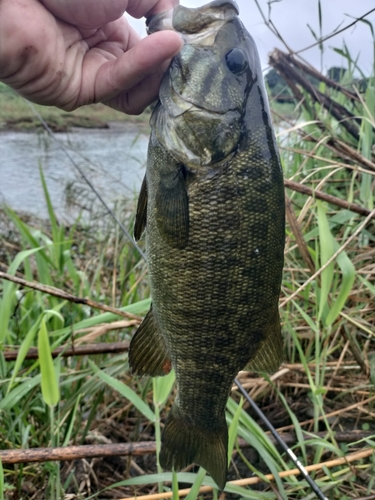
{"x": 67, "y": 54}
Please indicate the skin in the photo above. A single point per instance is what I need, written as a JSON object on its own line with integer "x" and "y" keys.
{"x": 68, "y": 54}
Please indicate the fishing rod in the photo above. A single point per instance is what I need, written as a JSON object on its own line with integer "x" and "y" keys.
{"x": 255, "y": 407}
{"x": 280, "y": 441}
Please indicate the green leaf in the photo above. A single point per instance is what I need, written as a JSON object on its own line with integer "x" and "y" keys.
{"x": 125, "y": 391}
{"x": 233, "y": 430}
{"x": 2, "y": 483}
{"x": 368, "y": 284}
{"x": 30, "y": 239}
{"x": 162, "y": 388}
{"x": 137, "y": 308}
{"x": 175, "y": 486}
{"x": 49, "y": 379}
{"x": 256, "y": 437}
{"x": 326, "y": 242}
{"x": 9, "y": 292}
{"x": 293, "y": 418}
{"x": 193, "y": 493}
{"x": 19, "y": 392}
{"x": 71, "y": 420}
{"x": 23, "y": 350}
{"x": 164, "y": 477}
{"x": 348, "y": 277}
{"x": 58, "y": 232}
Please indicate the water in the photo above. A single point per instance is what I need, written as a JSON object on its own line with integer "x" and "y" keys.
{"x": 113, "y": 159}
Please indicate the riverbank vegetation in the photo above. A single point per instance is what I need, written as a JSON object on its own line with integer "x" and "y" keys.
{"x": 76, "y": 390}
{"x": 16, "y": 114}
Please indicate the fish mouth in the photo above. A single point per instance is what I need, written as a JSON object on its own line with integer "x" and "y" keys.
{"x": 195, "y": 25}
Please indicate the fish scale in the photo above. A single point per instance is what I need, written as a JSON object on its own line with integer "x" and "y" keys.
{"x": 214, "y": 240}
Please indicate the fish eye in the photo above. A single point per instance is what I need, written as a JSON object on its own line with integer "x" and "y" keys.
{"x": 236, "y": 61}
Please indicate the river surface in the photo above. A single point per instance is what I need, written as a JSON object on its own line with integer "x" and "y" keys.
{"x": 113, "y": 160}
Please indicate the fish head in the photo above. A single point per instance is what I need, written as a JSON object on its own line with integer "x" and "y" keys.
{"x": 202, "y": 100}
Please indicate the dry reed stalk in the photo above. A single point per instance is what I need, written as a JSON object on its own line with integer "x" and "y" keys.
{"x": 286, "y": 66}
{"x": 329, "y": 365}
{"x": 270, "y": 477}
{"x": 357, "y": 354}
{"x": 103, "y": 348}
{"x": 359, "y": 325}
{"x": 300, "y": 188}
{"x": 76, "y": 452}
{"x": 296, "y": 230}
{"x": 329, "y": 261}
{"x": 102, "y": 329}
{"x": 56, "y": 292}
{"x": 68, "y": 453}
{"x": 326, "y": 388}
{"x": 355, "y": 406}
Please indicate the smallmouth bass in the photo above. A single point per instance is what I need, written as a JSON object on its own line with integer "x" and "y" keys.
{"x": 212, "y": 204}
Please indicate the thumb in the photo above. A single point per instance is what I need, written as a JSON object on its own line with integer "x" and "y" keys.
{"x": 138, "y": 72}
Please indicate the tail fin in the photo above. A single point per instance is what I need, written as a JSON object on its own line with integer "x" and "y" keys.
{"x": 182, "y": 443}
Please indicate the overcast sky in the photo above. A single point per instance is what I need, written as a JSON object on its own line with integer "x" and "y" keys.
{"x": 291, "y": 18}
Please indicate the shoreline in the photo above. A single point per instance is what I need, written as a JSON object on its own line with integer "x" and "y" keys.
{"x": 16, "y": 115}
{"x": 111, "y": 126}
{"x": 72, "y": 124}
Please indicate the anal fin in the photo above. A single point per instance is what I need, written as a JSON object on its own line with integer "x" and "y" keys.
{"x": 148, "y": 354}
{"x": 269, "y": 354}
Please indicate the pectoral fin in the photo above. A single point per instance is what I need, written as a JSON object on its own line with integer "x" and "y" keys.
{"x": 148, "y": 354}
{"x": 172, "y": 209}
{"x": 141, "y": 214}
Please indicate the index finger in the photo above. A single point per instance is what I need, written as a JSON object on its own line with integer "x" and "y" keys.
{"x": 147, "y": 8}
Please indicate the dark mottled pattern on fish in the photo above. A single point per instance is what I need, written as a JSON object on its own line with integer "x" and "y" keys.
{"x": 214, "y": 217}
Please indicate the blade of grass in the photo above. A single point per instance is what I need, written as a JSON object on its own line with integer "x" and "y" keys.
{"x": 23, "y": 350}
{"x": 162, "y": 387}
{"x": 233, "y": 430}
{"x": 71, "y": 421}
{"x": 326, "y": 251}
{"x": 49, "y": 375}
{"x": 193, "y": 494}
{"x": 249, "y": 430}
{"x": 13, "y": 398}
{"x": 348, "y": 278}
{"x": 289, "y": 452}
{"x": 2, "y": 482}
{"x": 125, "y": 391}
{"x": 175, "y": 486}
{"x": 57, "y": 249}
{"x": 8, "y": 299}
